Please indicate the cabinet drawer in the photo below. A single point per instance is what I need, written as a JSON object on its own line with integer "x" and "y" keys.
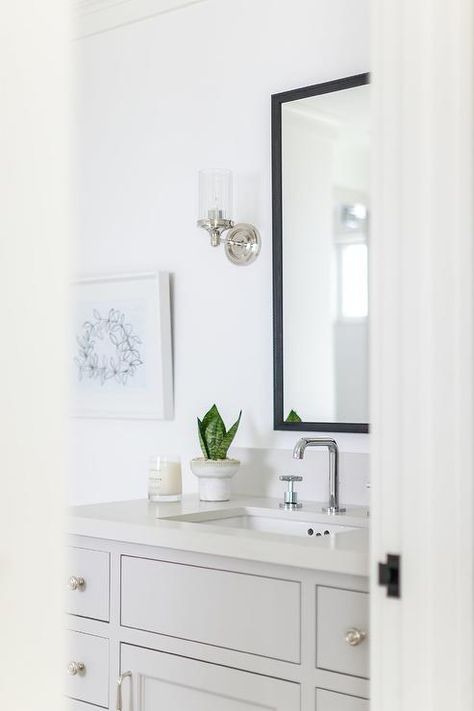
{"x": 333, "y": 701}
{"x": 338, "y": 613}
{"x": 88, "y": 583}
{"x": 90, "y": 683}
{"x": 247, "y": 613}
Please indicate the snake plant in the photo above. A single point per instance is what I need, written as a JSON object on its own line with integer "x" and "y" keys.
{"x": 293, "y": 417}
{"x": 214, "y": 439}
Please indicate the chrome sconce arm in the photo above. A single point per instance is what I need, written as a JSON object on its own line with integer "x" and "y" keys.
{"x": 241, "y": 243}
{"x": 216, "y": 228}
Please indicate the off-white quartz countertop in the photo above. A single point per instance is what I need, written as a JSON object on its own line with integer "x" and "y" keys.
{"x": 145, "y": 523}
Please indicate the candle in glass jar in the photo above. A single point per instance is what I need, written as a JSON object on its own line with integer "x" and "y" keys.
{"x": 164, "y": 478}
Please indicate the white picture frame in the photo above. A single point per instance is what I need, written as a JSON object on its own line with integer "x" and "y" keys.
{"x": 121, "y": 347}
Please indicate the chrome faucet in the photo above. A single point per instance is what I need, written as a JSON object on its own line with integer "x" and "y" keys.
{"x": 298, "y": 453}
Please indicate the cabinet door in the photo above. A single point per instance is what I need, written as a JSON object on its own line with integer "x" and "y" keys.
{"x": 333, "y": 701}
{"x": 169, "y": 682}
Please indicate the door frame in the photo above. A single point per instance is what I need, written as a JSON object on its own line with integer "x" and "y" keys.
{"x": 422, "y": 360}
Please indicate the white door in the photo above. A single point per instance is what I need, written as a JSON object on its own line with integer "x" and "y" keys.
{"x": 172, "y": 683}
{"x": 422, "y": 363}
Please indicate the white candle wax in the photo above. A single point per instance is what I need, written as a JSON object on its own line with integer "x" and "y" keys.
{"x": 164, "y": 477}
{"x": 169, "y": 475}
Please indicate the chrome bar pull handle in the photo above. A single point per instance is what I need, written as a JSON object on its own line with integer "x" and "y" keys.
{"x": 123, "y": 676}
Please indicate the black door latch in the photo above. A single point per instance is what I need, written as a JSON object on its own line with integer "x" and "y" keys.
{"x": 389, "y": 575}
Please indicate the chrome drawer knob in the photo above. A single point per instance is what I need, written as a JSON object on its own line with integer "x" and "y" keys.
{"x": 355, "y": 636}
{"x": 74, "y": 668}
{"x": 76, "y": 583}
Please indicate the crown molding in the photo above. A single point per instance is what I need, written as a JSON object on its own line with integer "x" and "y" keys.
{"x": 95, "y": 16}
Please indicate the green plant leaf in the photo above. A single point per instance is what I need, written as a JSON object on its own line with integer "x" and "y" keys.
{"x": 228, "y": 439}
{"x": 214, "y": 434}
{"x": 209, "y": 416}
{"x": 202, "y": 440}
{"x": 208, "y": 430}
{"x": 213, "y": 437}
{"x": 293, "y": 417}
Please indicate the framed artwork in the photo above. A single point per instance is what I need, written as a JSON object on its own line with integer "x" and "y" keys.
{"x": 121, "y": 354}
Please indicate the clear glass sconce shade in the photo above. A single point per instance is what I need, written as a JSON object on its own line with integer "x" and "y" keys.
{"x": 215, "y": 195}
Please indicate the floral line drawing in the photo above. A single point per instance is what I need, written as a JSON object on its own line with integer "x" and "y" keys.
{"x": 127, "y": 357}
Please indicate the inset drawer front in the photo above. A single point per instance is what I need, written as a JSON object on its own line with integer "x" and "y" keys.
{"x": 342, "y": 631}
{"x": 87, "y": 668}
{"x": 88, "y": 583}
{"x": 247, "y": 613}
{"x": 333, "y": 701}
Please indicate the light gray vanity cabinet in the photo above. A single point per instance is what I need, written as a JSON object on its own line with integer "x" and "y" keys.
{"x": 204, "y": 632}
{"x": 174, "y": 683}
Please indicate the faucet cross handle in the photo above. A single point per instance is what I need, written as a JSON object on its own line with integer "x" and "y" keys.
{"x": 291, "y": 497}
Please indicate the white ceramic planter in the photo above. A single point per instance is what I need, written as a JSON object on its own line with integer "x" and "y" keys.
{"x": 214, "y": 477}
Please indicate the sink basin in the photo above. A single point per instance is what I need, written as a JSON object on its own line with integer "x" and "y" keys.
{"x": 289, "y": 523}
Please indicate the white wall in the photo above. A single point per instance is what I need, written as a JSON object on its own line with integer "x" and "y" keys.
{"x": 158, "y": 100}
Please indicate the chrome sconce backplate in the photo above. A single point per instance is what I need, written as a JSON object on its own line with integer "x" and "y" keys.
{"x": 242, "y": 242}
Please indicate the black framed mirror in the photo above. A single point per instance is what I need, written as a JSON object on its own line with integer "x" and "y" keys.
{"x": 320, "y": 194}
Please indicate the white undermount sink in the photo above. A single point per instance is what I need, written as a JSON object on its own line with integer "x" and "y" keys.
{"x": 292, "y": 523}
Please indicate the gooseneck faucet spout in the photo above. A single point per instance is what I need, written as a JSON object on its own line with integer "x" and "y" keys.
{"x": 333, "y": 506}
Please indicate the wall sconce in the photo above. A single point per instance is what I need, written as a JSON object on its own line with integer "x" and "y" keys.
{"x": 242, "y": 241}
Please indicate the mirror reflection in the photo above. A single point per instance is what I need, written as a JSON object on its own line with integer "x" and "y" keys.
{"x": 325, "y": 145}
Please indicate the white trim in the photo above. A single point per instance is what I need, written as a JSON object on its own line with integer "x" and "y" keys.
{"x": 36, "y": 228}
{"x": 422, "y": 364}
{"x": 95, "y": 16}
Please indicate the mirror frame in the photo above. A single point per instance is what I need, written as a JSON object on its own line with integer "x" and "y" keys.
{"x": 278, "y": 374}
